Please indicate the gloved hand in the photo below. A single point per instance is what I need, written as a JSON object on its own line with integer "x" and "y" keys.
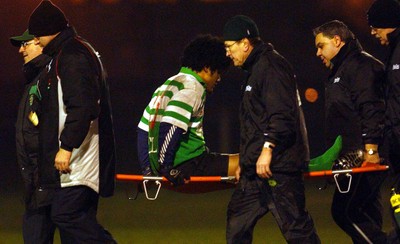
{"x": 176, "y": 177}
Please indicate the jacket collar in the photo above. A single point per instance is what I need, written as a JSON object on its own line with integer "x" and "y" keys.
{"x": 33, "y": 67}
{"x": 394, "y": 38}
{"x": 58, "y": 42}
{"x": 255, "y": 54}
{"x": 350, "y": 47}
{"x": 189, "y": 71}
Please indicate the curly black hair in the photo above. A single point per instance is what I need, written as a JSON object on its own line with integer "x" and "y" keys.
{"x": 206, "y": 51}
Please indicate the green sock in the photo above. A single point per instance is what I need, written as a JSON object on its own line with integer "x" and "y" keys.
{"x": 324, "y": 161}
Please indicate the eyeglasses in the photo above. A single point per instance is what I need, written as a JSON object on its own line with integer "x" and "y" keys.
{"x": 228, "y": 47}
{"x": 24, "y": 44}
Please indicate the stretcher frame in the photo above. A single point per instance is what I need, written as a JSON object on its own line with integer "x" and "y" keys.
{"x": 158, "y": 179}
{"x": 365, "y": 168}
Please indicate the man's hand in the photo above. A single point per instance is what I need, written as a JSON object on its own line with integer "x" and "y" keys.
{"x": 372, "y": 158}
{"x": 62, "y": 161}
{"x": 174, "y": 176}
{"x": 263, "y": 163}
{"x": 371, "y": 154}
{"x": 237, "y": 174}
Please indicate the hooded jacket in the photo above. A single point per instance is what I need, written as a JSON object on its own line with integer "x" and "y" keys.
{"x": 270, "y": 111}
{"x": 354, "y": 102}
{"x": 76, "y": 116}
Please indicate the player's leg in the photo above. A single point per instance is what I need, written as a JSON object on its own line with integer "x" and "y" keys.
{"x": 208, "y": 164}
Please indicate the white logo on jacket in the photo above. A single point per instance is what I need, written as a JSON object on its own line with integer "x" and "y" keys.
{"x": 336, "y": 80}
{"x": 396, "y": 66}
{"x": 248, "y": 88}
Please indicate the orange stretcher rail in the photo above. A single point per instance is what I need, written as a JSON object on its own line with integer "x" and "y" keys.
{"x": 126, "y": 177}
{"x": 367, "y": 167}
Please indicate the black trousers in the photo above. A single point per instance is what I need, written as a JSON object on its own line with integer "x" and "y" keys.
{"x": 392, "y": 153}
{"x": 283, "y": 197}
{"x": 37, "y": 226}
{"x": 359, "y": 212}
{"x": 74, "y": 211}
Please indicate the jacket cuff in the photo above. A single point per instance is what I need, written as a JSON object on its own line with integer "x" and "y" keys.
{"x": 65, "y": 147}
{"x": 268, "y": 138}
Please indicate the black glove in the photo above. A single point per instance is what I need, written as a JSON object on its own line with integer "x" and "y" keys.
{"x": 176, "y": 177}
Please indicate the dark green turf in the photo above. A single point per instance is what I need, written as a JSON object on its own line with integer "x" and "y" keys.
{"x": 181, "y": 218}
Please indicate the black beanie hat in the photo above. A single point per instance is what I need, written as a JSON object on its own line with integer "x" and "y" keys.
{"x": 384, "y": 14}
{"x": 47, "y": 19}
{"x": 239, "y": 27}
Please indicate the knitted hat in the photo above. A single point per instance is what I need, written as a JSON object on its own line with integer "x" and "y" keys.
{"x": 47, "y": 19}
{"x": 239, "y": 27}
{"x": 384, "y": 14}
{"x": 18, "y": 40}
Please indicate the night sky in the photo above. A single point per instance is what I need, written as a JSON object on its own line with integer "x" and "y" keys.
{"x": 141, "y": 43}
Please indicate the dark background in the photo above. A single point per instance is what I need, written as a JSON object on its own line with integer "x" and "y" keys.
{"x": 141, "y": 43}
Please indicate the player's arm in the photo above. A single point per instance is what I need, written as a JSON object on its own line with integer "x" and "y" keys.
{"x": 143, "y": 151}
{"x": 168, "y": 142}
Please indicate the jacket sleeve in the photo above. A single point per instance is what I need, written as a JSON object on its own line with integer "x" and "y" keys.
{"x": 367, "y": 93}
{"x": 77, "y": 73}
{"x": 279, "y": 93}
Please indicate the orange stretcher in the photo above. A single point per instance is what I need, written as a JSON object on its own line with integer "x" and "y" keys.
{"x": 365, "y": 168}
{"x": 207, "y": 182}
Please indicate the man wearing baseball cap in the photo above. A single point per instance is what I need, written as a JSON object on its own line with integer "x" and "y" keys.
{"x": 76, "y": 138}
{"x": 384, "y": 19}
{"x": 273, "y": 141}
{"x": 37, "y": 201}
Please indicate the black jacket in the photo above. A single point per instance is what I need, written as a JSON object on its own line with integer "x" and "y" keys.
{"x": 85, "y": 94}
{"x": 27, "y": 137}
{"x": 354, "y": 100}
{"x": 270, "y": 111}
{"x": 393, "y": 83}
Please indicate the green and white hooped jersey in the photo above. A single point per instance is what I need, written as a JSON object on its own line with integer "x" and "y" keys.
{"x": 179, "y": 101}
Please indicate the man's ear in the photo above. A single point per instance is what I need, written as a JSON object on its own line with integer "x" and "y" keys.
{"x": 337, "y": 40}
{"x": 36, "y": 41}
{"x": 207, "y": 70}
{"x": 246, "y": 44}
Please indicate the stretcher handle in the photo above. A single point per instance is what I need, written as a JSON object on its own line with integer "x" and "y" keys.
{"x": 335, "y": 176}
{"x": 158, "y": 183}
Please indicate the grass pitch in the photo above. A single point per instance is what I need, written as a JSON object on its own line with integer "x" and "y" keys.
{"x": 182, "y": 218}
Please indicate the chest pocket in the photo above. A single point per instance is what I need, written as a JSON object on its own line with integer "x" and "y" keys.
{"x": 338, "y": 95}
